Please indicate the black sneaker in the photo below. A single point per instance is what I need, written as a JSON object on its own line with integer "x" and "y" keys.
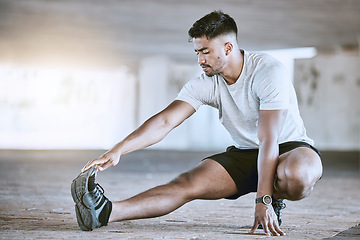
{"x": 278, "y": 206}
{"x": 92, "y": 208}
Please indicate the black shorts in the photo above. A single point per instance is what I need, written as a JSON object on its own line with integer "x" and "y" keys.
{"x": 241, "y": 164}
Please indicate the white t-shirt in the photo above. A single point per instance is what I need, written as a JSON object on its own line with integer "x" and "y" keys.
{"x": 262, "y": 85}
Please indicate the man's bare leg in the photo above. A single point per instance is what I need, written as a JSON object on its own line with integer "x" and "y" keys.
{"x": 209, "y": 180}
{"x": 297, "y": 173}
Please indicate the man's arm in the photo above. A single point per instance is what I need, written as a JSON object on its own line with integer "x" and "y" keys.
{"x": 270, "y": 125}
{"x": 150, "y": 132}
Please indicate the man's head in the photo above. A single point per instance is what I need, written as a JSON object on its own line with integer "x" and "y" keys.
{"x": 214, "y": 37}
{"x": 213, "y": 25}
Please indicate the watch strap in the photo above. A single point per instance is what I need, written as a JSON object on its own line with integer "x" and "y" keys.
{"x": 266, "y": 199}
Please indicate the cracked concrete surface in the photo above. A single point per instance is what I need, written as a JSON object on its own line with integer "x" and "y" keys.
{"x": 36, "y": 201}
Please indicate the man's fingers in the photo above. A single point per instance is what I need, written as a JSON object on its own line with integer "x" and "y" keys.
{"x": 94, "y": 162}
{"x": 277, "y": 228}
{"x": 86, "y": 167}
{"x": 269, "y": 229}
{"x": 255, "y": 226}
{"x": 266, "y": 229}
{"x": 268, "y": 221}
{"x": 105, "y": 166}
{"x": 272, "y": 230}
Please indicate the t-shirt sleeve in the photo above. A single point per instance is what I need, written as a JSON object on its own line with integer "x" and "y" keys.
{"x": 196, "y": 92}
{"x": 271, "y": 86}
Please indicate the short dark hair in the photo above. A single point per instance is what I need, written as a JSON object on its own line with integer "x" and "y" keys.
{"x": 212, "y": 25}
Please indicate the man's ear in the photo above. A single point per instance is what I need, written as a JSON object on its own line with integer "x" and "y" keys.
{"x": 228, "y": 48}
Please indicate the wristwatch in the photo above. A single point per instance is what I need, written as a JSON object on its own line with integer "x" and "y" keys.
{"x": 267, "y": 200}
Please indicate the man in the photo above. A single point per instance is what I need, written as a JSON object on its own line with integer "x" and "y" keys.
{"x": 257, "y": 104}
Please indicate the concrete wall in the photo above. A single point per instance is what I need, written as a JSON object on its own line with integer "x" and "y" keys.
{"x": 65, "y": 109}
{"x": 327, "y": 85}
{"x": 160, "y": 80}
{"x": 328, "y": 89}
{"x": 87, "y": 109}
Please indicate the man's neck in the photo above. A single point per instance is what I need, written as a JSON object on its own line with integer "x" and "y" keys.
{"x": 233, "y": 71}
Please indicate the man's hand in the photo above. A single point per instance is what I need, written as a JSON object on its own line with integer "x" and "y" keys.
{"x": 265, "y": 215}
{"x": 108, "y": 159}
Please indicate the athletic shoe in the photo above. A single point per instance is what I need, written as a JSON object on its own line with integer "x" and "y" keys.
{"x": 92, "y": 208}
{"x": 278, "y": 206}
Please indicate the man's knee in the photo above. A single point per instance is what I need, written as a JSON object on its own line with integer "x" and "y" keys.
{"x": 299, "y": 186}
{"x": 185, "y": 184}
{"x": 209, "y": 180}
{"x": 183, "y": 180}
{"x": 301, "y": 181}
{"x": 298, "y": 175}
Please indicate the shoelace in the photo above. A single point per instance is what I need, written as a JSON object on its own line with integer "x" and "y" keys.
{"x": 98, "y": 195}
{"x": 100, "y": 188}
{"x": 280, "y": 204}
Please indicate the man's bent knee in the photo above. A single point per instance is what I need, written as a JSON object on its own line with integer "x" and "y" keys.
{"x": 299, "y": 184}
{"x": 297, "y": 174}
{"x": 299, "y": 187}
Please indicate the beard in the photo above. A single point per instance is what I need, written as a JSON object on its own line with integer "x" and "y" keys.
{"x": 212, "y": 72}
{"x": 216, "y": 68}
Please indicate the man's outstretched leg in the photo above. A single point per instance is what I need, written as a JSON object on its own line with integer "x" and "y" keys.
{"x": 209, "y": 180}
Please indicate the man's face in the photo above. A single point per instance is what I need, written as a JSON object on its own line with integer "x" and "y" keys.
{"x": 211, "y": 54}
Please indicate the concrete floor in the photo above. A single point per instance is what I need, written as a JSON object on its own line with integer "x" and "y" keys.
{"x": 36, "y": 201}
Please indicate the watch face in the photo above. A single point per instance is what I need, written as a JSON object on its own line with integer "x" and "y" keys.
{"x": 267, "y": 199}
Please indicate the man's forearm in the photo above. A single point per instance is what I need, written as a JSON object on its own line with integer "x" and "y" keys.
{"x": 150, "y": 132}
{"x": 267, "y": 163}
{"x": 269, "y": 128}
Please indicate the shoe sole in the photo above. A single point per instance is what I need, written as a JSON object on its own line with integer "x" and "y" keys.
{"x": 78, "y": 186}
{"x": 80, "y": 221}
{"x": 77, "y": 190}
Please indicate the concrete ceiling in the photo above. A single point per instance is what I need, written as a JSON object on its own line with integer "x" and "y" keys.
{"x": 107, "y": 32}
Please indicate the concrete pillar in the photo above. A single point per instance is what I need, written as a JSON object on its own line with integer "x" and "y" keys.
{"x": 153, "y": 85}
{"x": 160, "y": 80}
{"x": 328, "y": 89}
